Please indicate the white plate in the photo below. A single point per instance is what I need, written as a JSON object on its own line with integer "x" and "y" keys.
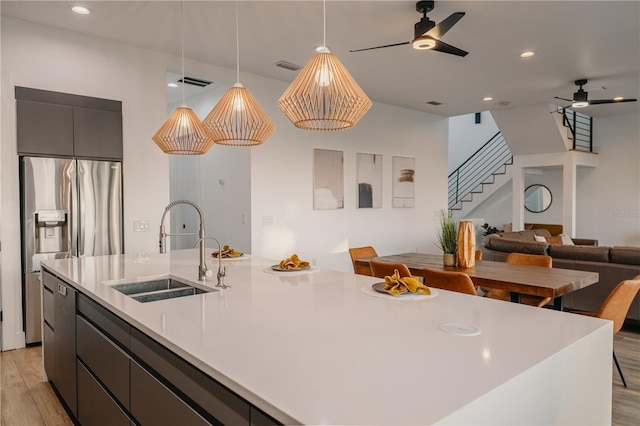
{"x": 243, "y": 257}
{"x": 369, "y": 291}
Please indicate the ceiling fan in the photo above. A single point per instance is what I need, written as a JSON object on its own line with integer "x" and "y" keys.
{"x": 581, "y": 98}
{"x": 427, "y": 34}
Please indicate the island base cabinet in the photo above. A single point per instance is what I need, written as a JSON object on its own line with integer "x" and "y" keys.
{"x": 154, "y": 404}
{"x": 95, "y": 406}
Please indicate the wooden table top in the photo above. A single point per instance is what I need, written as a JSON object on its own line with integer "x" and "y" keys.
{"x": 522, "y": 279}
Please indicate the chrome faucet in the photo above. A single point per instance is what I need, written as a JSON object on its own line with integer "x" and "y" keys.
{"x": 222, "y": 270}
{"x": 203, "y": 272}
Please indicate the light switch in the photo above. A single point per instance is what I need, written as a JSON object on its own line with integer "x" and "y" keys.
{"x": 267, "y": 220}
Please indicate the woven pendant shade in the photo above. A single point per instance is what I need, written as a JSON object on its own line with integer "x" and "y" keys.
{"x": 238, "y": 120}
{"x": 183, "y": 134}
{"x": 324, "y": 96}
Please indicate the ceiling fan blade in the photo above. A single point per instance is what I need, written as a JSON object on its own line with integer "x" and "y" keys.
{"x": 610, "y": 101}
{"x": 447, "y": 48}
{"x": 564, "y": 99}
{"x": 380, "y": 47}
{"x": 439, "y": 30}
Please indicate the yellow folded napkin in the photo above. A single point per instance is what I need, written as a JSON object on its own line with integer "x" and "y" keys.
{"x": 293, "y": 263}
{"x": 226, "y": 252}
{"x": 395, "y": 285}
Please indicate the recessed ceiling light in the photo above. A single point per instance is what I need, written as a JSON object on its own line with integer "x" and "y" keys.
{"x": 487, "y": 98}
{"x": 81, "y": 10}
{"x": 172, "y": 84}
{"x": 527, "y": 54}
{"x": 618, "y": 98}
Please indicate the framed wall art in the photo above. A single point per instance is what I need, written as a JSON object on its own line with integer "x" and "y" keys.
{"x": 369, "y": 181}
{"x": 328, "y": 179}
{"x": 403, "y": 187}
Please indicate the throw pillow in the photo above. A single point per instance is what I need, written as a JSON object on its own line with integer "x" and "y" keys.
{"x": 556, "y": 239}
{"x": 540, "y": 238}
{"x": 566, "y": 240}
{"x": 559, "y": 239}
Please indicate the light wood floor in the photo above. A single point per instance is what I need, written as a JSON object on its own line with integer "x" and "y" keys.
{"x": 28, "y": 401}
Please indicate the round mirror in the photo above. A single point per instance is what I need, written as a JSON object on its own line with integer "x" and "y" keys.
{"x": 537, "y": 198}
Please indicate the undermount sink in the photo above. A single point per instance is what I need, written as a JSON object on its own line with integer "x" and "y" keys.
{"x": 158, "y": 289}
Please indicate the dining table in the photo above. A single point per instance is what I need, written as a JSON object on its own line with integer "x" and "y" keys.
{"x": 516, "y": 279}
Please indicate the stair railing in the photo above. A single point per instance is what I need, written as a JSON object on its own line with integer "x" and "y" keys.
{"x": 488, "y": 160}
{"x": 580, "y": 128}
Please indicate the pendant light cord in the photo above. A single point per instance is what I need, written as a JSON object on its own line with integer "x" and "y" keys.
{"x": 324, "y": 23}
{"x": 182, "y": 50}
{"x": 237, "y": 47}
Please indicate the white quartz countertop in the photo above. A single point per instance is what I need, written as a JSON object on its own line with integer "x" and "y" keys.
{"x": 314, "y": 349}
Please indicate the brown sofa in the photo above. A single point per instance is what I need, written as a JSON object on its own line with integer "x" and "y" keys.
{"x": 613, "y": 264}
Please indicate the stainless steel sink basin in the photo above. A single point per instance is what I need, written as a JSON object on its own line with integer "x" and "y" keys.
{"x": 158, "y": 289}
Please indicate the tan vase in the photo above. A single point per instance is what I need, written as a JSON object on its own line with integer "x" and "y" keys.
{"x": 449, "y": 259}
{"x": 466, "y": 245}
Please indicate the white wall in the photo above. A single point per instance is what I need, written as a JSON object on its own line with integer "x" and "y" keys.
{"x": 280, "y": 172}
{"x": 608, "y": 202}
{"x": 466, "y": 137}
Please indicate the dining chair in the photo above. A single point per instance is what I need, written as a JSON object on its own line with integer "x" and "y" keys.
{"x": 449, "y": 280}
{"x": 615, "y": 308}
{"x": 386, "y": 269}
{"x": 366, "y": 252}
{"x": 524, "y": 259}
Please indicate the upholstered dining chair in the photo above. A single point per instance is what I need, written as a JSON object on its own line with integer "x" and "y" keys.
{"x": 615, "y": 308}
{"x": 448, "y": 280}
{"x": 524, "y": 259}
{"x": 366, "y": 252}
{"x": 384, "y": 269}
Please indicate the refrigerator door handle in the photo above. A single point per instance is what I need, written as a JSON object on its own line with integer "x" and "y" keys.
{"x": 73, "y": 208}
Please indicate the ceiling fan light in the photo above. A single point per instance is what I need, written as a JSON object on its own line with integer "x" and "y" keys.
{"x": 580, "y": 104}
{"x": 423, "y": 43}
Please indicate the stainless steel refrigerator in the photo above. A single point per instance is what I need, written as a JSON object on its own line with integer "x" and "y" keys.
{"x": 69, "y": 207}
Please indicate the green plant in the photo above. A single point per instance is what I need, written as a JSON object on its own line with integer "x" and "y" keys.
{"x": 488, "y": 230}
{"x": 447, "y": 233}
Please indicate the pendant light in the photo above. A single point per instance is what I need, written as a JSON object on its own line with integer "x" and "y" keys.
{"x": 324, "y": 96}
{"x": 183, "y": 133}
{"x": 237, "y": 119}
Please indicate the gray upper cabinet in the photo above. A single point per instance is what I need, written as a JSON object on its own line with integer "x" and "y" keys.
{"x": 97, "y": 133}
{"x": 44, "y": 128}
{"x": 65, "y": 125}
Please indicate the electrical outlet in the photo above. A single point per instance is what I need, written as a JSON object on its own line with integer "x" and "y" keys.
{"x": 141, "y": 226}
{"x": 267, "y": 220}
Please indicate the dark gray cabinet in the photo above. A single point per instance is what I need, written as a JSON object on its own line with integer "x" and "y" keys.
{"x": 97, "y": 133}
{"x": 60, "y": 338}
{"x": 95, "y": 406}
{"x": 44, "y": 128}
{"x": 152, "y": 403}
{"x": 65, "y": 125}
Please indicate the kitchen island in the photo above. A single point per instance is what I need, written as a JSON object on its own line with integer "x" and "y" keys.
{"x": 313, "y": 348}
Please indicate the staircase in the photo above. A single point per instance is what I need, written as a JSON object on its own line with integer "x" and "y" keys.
{"x": 489, "y": 164}
{"x": 478, "y": 170}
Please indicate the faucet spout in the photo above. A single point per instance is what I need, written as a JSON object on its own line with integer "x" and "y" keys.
{"x": 222, "y": 271}
{"x": 202, "y": 267}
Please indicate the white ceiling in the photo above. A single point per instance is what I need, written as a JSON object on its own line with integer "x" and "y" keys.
{"x": 597, "y": 40}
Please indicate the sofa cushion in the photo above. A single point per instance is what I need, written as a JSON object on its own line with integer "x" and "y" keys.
{"x": 625, "y": 255}
{"x": 508, "y": 245}
{"x": 526, "y": 235}
{"x": 594, "y": 254}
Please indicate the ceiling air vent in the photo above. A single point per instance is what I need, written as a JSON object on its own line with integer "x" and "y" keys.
{"x": 195, "y": 81}
{"x": 288, "y": 66}
{"x": 436, "y": 103}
